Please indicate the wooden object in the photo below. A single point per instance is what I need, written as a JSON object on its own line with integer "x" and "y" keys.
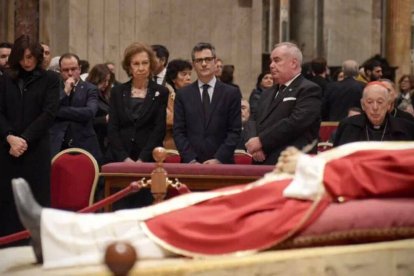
{"x": 197, "y": 177}
{"x": 120, "y": 257}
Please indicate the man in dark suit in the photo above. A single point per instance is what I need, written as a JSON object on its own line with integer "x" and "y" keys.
{"x": 248, "y": 126}
{"x": 73, "y": 125}
{"x": 319, "y": 73}
{"x": 161, "y": 57}
{"x": 5, "y": 50}
{"x": 207, "y": 120}
{"x": 289, "y": 113}
{"x": 342, "y": 95}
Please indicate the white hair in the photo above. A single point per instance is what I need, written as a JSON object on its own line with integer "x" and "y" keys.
{"x": 350, "y": 68}
{"x": 293, "y": 50}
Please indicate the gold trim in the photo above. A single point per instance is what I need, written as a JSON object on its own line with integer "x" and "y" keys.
{"x": 329, "y": 123}
{"x": 242, "y": 152}
{"x": 350, "y": 234}
{"x": 187, "y": 253}
{"x": 172, "y": 152}
{"x": 350, "y": 148}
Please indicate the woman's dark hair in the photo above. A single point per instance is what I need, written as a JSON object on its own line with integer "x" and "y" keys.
{"x": 98, "y": 75}
{"x": 227, "y": 73}
{"x": 410, "y": 79}
{"x": 17, "y": 53}
{"x": 84, "y": 66}
{"x": 174, "y": 67}
{"x": 260, "y": 78}
{"x": 336, "y": 73}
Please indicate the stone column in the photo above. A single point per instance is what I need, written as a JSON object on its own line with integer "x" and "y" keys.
{"x": 6, "y": 20}
{"x": 27, "y": 18}
{"x": 284, "y": 33}
{"x": 304, "y": 27}
{"x": 398, "y": 35}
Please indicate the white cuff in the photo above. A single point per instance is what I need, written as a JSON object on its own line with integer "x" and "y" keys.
{"x": 307, "y": 182}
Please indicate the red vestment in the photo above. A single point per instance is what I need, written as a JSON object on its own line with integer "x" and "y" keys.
{"x": 260, "y": 217}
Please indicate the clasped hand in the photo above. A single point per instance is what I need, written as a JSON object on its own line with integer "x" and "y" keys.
{"x": 18, "y": 145}
{"x": 254, "y": 147}
{"x": 69, "y": 85}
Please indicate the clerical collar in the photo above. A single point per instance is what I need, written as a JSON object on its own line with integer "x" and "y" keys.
{"x": 380, "y": 127}
{"x": 376, "y": 133}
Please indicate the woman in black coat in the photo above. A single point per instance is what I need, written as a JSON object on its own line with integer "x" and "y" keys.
{"x": 100, "y": 75}
{"x": 264, "y": 82}
{"x": 137, "y": 114}
{"x": 29, "y": 98}
{"x": 137, "y": 109}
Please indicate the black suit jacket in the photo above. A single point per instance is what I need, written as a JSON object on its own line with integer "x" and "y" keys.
{"x": 248, "y": 131}
{"x": 78, "y": 113}
{"x": 199, "y": 138}
{"x": 136, "y": 138}
{"x": 352, "y": 129}
{"x": 27, "y": 110}
{"x": 100, "y": 123}
{"x": 339, "y": 97}
{"x": 293, "y": 119}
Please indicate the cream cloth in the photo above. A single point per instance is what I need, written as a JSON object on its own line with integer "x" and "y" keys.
{"x": 70, "y": 239}
{"x": 308, "y": 180}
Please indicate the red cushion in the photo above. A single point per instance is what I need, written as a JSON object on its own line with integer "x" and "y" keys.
{"x": 172, "y": 192}
{"x": 326, "y": 129}
{"x": 72, "y": 177}
{"x": 173, "y": 158}
{"x": 242, "y": 158}
{"x": 359, "y": 221}
{"x": 189, "y": 169}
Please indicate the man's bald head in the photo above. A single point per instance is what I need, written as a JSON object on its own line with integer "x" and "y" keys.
{"x": 375, "y": 102}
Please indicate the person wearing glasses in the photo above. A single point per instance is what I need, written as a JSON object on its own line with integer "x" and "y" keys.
{"x": 207, "y": 116}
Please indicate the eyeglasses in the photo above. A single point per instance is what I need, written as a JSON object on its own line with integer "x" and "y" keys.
{"x": 206, "y": 59}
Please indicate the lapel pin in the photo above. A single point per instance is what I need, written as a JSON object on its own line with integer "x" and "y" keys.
{"x": 156, "y": 95}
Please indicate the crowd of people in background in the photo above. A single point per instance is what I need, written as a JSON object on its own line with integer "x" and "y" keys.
{"x": 50, "y": 104}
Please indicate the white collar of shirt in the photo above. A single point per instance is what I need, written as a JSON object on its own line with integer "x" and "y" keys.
{"x": 211, "y": 83}
{"x": 290, "y": 82}
{"x": 161, "y": 75}
{"x": 76, "y": 84}
{"x": 406, "y": 95}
